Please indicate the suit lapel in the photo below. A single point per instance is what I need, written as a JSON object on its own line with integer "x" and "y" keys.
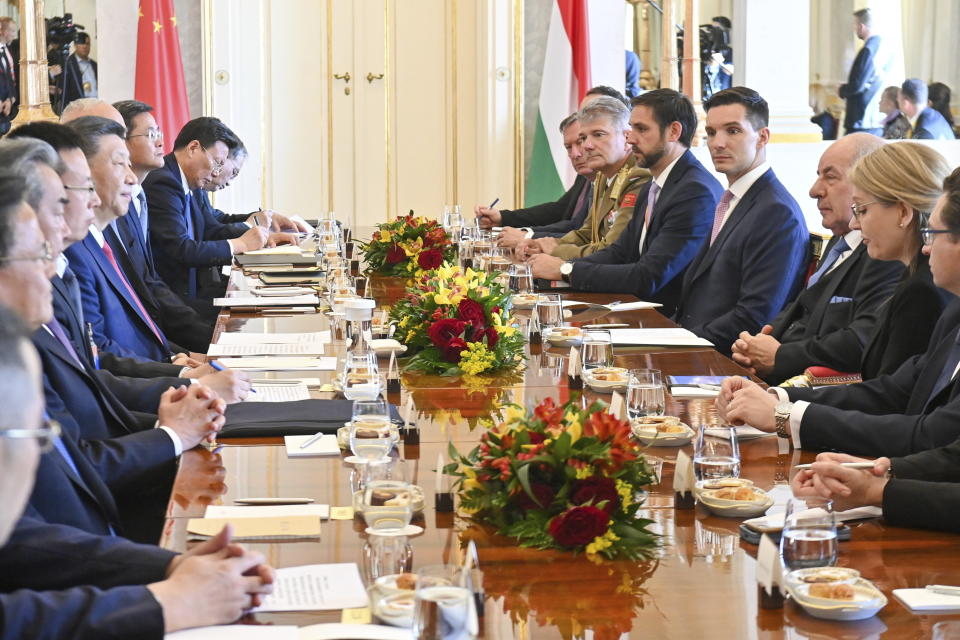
{"x": 87, "y": 484}
{"x": 830, "y": 283}
{"x": 74, "y": 322}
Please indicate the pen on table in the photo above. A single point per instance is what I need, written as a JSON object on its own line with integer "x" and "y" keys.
{"x": 494, "y": 203}
{"x": 260, "y": 501}
{"x": 219, "y": 367}
{"x": 312, "y": 439}
{"x": 944, "y": 590}
{"x": 849, "y": 465}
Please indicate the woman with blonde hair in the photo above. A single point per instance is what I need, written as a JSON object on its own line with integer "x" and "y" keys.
{"x": 894, "y": 190}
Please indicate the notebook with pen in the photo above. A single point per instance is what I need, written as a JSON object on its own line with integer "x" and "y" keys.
{"x": 264, "y": 528}
{"x": 298, "y": 418}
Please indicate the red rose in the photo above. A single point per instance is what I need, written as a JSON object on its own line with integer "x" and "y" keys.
{"x": 395, "y": 254}
{"x": 430, "y": 259}
{"x": 492, "y": 337}
{"x": 472, "y": 312}
{"x": 595, "y": 490}
{"x": 443, "y": 331}
{"x": 453, "y": 349}
{"x": 543, "y": 493}
{"x": 578, "y": 526}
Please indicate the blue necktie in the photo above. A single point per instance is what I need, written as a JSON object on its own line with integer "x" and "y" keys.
{"x": 832, "y": 256}
{"x": 946, "y": 374}
{"x": 143, "y": 216}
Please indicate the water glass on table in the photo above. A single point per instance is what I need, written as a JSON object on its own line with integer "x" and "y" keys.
{"x": 715, "y": 457}
{"x": 596, "y": 350}
{"x": 444, "y": 607}
{"x": 521, "y": 280}
{"x": 549, "y": 312}
{"x": 809, "y": 537}
{"x": 387, "y": 496}
{"x": 452, "y": 221}
{"x": 645, "y": 395}
{"x": 370, "y": 436}
{"x": 361, "y": 376}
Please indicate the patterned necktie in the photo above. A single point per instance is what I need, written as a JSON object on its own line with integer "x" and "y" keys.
{"x": 69, "y": 279}
{"x": 722, "y": 207}
{"x": 57, "y": 330}
{"x": 108, "y": 252}
{"x": 832, "y": 256}
{"x": 652, "y": 193}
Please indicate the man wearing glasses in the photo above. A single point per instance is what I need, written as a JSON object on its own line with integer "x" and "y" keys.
{"x": 190, "y": 248}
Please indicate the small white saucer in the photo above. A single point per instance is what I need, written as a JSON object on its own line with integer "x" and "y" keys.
{"x": 409, "y": 530}
{"x": 359, "y": 460}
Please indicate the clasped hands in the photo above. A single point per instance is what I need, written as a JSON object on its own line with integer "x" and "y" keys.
{"x": 756, "y": 353}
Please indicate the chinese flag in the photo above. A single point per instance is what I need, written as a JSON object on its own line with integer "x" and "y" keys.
{"x": 160, "y": 80}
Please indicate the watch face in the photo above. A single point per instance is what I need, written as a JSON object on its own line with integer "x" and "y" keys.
{"x": 566, "y": 268}
{"x": 784, "y": 408}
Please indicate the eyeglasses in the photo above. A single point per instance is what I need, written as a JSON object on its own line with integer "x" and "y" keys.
{"x": 927, "y": 234}
{"x": 45, "y": 435}
{"x": 90, "y": 190}
{"x": 46, "y": 256}
{"x": 217, "y": 166}
{"x": 860, "y": 210}
{"x": 154, "y": 135}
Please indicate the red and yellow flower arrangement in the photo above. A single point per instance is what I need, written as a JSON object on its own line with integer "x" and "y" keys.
{"x": 561, "y": 477}
{"x": 408, "y": 245}
{"x": 456, "y": 322}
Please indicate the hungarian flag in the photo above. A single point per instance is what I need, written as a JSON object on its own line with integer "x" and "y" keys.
{"x": 160, "y": 80}
{"x": 566, "y": 79}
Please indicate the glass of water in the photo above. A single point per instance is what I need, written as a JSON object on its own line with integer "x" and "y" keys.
{"x": 521, "y": 280}
{"x": 596, "y": 350}
{"x": 370, "y": 436}
{"x": 716, "y": 457}
{"x": 452, "y": 221}
{"x": 387, "y": 496}
{"x": 444, "y": 608}
{"x": 645, "y": 395}
{"x": 361, "y": 376}
{"x": 549, "y": 312}
{"x": 809, "y": 534}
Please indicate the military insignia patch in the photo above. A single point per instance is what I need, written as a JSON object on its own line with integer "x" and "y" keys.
{"x": 628, "y": 200}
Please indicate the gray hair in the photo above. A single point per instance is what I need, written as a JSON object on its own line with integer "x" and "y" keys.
{"x": 80, "y": 107}
{"x": 24, "y": 157}
{"x": 569, "y": 120}
{"x": 615, "y": 111}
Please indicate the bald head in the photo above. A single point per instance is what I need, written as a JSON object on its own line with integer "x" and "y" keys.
{"x": 90, "y": 107}
{"x": 832, "y": 189}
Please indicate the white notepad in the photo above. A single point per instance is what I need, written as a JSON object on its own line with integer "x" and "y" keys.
{"x": 926, "y": 600}
{"x": 674, "y": 337}
{"x": 744, "y": 432}
{"x": 316, "y": 587}
{"x": 266, "y": 392}
{"x": 246, "y": 337}
{"x": 325, "y": 446}
{"x": 267, "y": 301}
{"x": 267, "y": 511}
{"x": 681, "y": 391}
{"x": 264, "y": 349}
{"x": 328, "y": 363}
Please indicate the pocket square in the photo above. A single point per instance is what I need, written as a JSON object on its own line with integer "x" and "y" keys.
{"x": 839, "y": 299}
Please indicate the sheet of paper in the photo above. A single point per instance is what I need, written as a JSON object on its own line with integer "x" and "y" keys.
{"x": 326, "y": 445}
{"x": 238, "y": 632}
{"x": 270, "y": 349}
{"x": 328, "y": 363}
{"x": 775, "y": 521}
{"x": 266, "y": 528}
{"x": 617, "y": 409}
{"x": 243, "y": 337}
{"x": 316, "y": 587}
{"x": 632, "y": 306}
{"x": 266, "y": 392}
{"x": 334, "y": 631}
{"x": 925, "y": 600}
{"x": 744, "y": 432}
{"x": 267, "y": 511}
{"x": 266, "y": 301}
{"x": 282, "y": 250}
{"x": 692, "y": 392}
{"x": 310, "y": 382}
{"x": 675, "y": 337}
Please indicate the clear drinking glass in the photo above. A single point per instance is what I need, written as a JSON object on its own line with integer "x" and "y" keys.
{"x": 444, "y": 607}
{"x": 370, "y": 430}
{"x": 452, "y": 221}
{"x": 387, "y": 496}
{"x": 386, "y": 555}
{"x": 521, "y": 280}
{"x": 809, "y": 536}
{"x": 645, "y": 395}
{"x": 361, "y": 376}
{"x": 596, "y": 350}
{"x": 549, "y": 312}
{"x": 715, "y": 457}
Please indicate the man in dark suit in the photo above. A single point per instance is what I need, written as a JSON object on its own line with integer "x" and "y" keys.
{"x": 673, "y": 212}
{"x": 866, "y": 79}
{"x": 189, "y": 247}
{"x": 9, "y": 87}
{"x": 926, "y": 123}
{"x": 834, "y": 316}
{"x": 753, "y": 261}
{"x": 79, "y": 77}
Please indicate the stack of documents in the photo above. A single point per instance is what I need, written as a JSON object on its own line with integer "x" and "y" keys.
{"x": 278, "y": 392}
{"x": 326, "y": 631}
{"x": 257, "y": 528}
{"x": 268, "y": 511}
{"x": 245, "y": 337}
{"x": 291, "y": 363}
{"x": 279, "y": 349}
{"x": 267, "y": 301}
{"x": 657, "y": 338}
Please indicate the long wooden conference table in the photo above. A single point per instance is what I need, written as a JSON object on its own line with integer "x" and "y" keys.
{"x": 701, "y": 584}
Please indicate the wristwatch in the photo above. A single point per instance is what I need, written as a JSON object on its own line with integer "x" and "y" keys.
{"x": 565, "y": 270}
{"x": 781, "y": 414}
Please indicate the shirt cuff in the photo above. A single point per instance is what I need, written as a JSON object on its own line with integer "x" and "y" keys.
{"x": 796, "y": 417}
{"x": 177, "y": 443}
{"x": 528, "y": 231}
{"x": 780, "y": 392}
{"x": 233, "y": 248}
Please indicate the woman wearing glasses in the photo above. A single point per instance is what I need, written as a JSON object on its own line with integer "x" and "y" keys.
{"x": 894, "y": 190}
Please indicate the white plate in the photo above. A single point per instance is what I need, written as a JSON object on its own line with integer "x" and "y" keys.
{"x": 868, "y": 600}
{"x": 386, "y": 346}
{"x": 837, "y": 575}
{"x": 734, "y": 508}
{"x": 523, "y": 303}
{"x": 387, "y": 585}
{"x": 607, "y": 386}
{"x": 388, "y": 611}
{"x": 703, "y": 485}
{"x": 654, "y": 438}
{"x": 559, "y": 340}
{"x": 409, "y": 530}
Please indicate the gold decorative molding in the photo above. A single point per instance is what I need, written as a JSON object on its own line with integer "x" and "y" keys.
{"x": 34, "y": 80}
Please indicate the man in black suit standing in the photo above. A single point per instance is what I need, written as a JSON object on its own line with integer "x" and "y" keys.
{"x": 754, "y": 258}
{"x": 672, "y": 216}
{"x": 79, "y": 76}
{"x": 866, "y": 79}
{"x": 9, "y": 87}
{"x": 926, "y": 123}
{"x": 833, "y": 317}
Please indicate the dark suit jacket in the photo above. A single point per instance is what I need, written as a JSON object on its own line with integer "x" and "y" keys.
{"x": 757, "y": 263}
{"x": 8, "y": 89}
{"x": 548, "y": 212}
{"x": 60, "y": 582}
{"x": 931, "y": 125}
{"x": 235, "y": 221}
{"x": 862, "y": 89}
{"x": 181, "y": 256}
{"x": 71, "y": 80}
{"x": 575, "y": 221}
{"x": 681, "y": 220}
{"x": 829, "y": 323}
{"x": 118, "y": 324}
{"x": 905, "y": 323}
{"x": 885, "y": 416}
{"x": 925, "y": 490}
{"x": 180, "y": 322}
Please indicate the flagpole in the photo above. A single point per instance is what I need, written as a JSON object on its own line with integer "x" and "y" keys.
{"x": 34, "y": 81}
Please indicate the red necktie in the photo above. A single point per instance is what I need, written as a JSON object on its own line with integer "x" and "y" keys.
{"x": 722, "y": 207}
{"x": 107, "y": 251}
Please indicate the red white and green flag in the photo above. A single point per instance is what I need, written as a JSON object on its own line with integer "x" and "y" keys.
{"x": 566, "y": 78}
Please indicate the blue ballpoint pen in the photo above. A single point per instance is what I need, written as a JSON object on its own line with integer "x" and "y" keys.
{"x": 219, "y": 367}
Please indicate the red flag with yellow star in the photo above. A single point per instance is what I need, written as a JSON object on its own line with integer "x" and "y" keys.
{"x": 160, "y": 80}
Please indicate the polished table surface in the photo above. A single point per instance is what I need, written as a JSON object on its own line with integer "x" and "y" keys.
{"x": 701, "y": 583}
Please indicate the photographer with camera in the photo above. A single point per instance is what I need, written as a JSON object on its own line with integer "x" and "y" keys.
{"x": 73, "y": 74}
{"x": 716, "y": 56}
